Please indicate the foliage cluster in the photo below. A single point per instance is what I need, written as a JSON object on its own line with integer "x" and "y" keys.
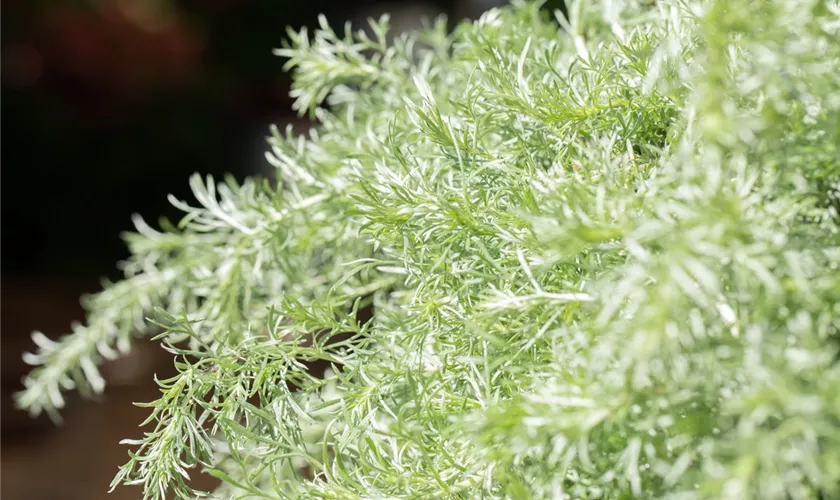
{"x": 601, "y": 251}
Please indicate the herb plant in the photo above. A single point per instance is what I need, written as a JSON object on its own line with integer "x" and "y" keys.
{"x": 582, "y": 256}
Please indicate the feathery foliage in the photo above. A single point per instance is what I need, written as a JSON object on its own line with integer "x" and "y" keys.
{"x": 602, "y": 254}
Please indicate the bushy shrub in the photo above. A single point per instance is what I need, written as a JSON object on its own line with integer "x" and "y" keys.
{"x": 600, "y": 255}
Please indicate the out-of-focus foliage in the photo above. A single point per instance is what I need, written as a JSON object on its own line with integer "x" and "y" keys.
{"x": 601, "y": 251}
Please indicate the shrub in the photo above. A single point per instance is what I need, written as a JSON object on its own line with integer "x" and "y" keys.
{"x": 601, "y": 254}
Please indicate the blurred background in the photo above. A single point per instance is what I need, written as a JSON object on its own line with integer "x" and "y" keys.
{"x": 108, "y": 106}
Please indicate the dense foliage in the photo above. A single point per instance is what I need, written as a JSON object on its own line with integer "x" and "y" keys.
{"x": 600, "y": 254}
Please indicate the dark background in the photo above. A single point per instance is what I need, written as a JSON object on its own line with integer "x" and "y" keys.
{"x": 107, "y": 107}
